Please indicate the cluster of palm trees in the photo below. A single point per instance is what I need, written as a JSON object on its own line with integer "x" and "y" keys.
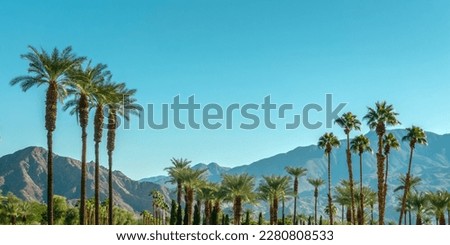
{"x": 378, "y": 118}
{"x": 82, "y": 86}
{"x": 240, "y": 189}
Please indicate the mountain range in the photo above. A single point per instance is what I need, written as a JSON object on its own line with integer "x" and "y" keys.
{"x": 24, "y": 173}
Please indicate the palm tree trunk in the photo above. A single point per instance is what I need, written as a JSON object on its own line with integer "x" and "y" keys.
{"x": 294, "y": 219}
{"x": 405, "y": 193}
{"x": 51, "y": 104}
{"x": 409, "y": 217}
{"x": 50, "y": 178}
{"x": 275, "y": 210}
{"x": 111, "y": 138}
{"x": 330, "y": 200}
{"x": 83, "y": 178}
{"x": 361, "y": 195}
{"x": 110, "y": 189}
{"x": 386, "y": 177}
{"x": 237, "y": 210}
{"x": 189, "y": 205}
{"x": 98, "y": 124}
{"x": 282, "y": 212}
{"x": 97, "y": 184}
{"x": 418, "y": 219}
{"x": 316, "y": 195}
{"x": 350, "y": 178}
{"x": 380, "y": 173}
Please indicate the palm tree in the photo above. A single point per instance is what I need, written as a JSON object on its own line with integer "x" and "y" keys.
{"x": 349, "y": 122}
{"x": 296, "y": 172}
{"x": 275, "y": 188}
{"x": 439, "y": 203}
{"x": 413, "y": 183}
{"x": 50, "y": 69}
{"x": 239, "y": 189}
{"x": 419, "y": 202}
{"x": 103, "y": 91}
{"x": 206, "y": 193}
{"x": 174, "y": 172}
{"x": 383, "y": 115}
{"x": 327, "y": 142}
{"x": 359, "y": 145}
{"x": 343, "y": 198}
{"x": 191, "y": 179}
{"x": 390, "y": 142}
{"x": 316, "y": 183}
{"x": 371, "y": 199}
{"x": 82, "y": 86}
{"x": 415, "y": 135}
{"x": 121, "y": 102}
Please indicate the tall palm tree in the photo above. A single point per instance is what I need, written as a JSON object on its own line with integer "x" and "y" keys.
{"x": 50, "y": 69}
{"x": 415, "y": 135}
{"x": 439, "y": 202}
{"x": 239, "y": 189}
{"x": 82, "y": 85}
{"x": 327, "y": 142}
{"x": 296, "y": 172}
{"x": 349, "y": 122}
{"x": 390, "y": 142}
{"x": 103, "y": 92}
{"x": 120, "y": 103}
{"x": 359, "y": 145}
{"x": 316, "y": 183}
{"x": 191, "y": 179}
{"x": 275, "y": 187}
{"x": 383, "y": 115}
{"x": 206, "y": 193}
{"x": 174, "y": 172}
{"x": 371, "y": 199}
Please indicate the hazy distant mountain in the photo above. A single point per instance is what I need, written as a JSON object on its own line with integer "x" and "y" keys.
{"x": 24, "y": 173}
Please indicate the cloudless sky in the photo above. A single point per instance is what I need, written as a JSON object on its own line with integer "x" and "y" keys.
{"x": 230, "y": 51}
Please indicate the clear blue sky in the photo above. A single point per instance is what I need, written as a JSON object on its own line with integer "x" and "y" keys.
{"x": 231, "y": 51}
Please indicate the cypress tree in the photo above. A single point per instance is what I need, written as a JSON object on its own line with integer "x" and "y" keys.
{"x": 185, "y": 220}
{"x": 260, "y": 219}
{"x": 179, "y": 215}
{"x": 320, "y": 220}
{"x": 173, "y": 213}
{"x": 197, "y": 218}
{"x": 247, "y": 217}
{"x": 214, "y": 216}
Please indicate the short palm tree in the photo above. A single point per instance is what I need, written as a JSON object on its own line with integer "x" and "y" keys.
{"x": 238, "y": 189}
{"x": 415, "y": 135}
{"x": 390, "y": 142}
{"x": 359, "y": 145}
{"x": 82, "y": 86}
{"x": 120, "y": 103}
{"x": 439, "y": 202}
{"x": 50, "y": 69}
{"x": 174, "y": 172}
{"x": 275, "y": 188}
{"x": 191, "y": 179}
{"x": 316, "y": 183}
{"x": 327, "y": 142}
{"x": 414, "y": 181}
{"x": 377, "y": 119}
{"x": 419, "y": 202}
{"x": 295, "y": 172}
{"x": 349, "y": 122}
